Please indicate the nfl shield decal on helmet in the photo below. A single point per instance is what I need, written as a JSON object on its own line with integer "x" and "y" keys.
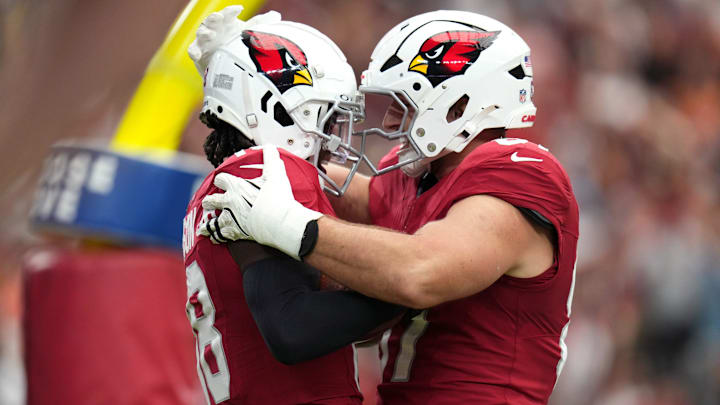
{"x": 279, "y": 59}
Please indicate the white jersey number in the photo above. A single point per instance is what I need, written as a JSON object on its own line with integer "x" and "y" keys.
{"x": 211, "y": 361}
{"x": 403, "y": 363}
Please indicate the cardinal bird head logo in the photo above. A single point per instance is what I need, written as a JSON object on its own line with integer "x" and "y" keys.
{"x": 279, "y": 59}
{"x": 450, "y": 53}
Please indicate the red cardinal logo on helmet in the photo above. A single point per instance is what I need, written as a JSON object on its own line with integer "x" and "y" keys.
{"x": 450, "y": 53}
{"x": 278, "y": 58}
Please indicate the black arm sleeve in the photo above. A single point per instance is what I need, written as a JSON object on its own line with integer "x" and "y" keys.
{"x": 298, "y": 321}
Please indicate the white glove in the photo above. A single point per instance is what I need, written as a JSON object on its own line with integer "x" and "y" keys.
{"x": 225, "y": 228}
{"x": 218, "y": 29}
{"x": 269, "y": 215}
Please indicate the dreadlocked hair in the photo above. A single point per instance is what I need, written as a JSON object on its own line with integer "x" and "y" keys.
{"x": 224, "y": 141}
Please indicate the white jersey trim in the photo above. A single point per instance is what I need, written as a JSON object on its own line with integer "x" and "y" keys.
{"x": 355, "y": 363}
{"x": 563, "y": 334}
{"x": 384, "y": 355}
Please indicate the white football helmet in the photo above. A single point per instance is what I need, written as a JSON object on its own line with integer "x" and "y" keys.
{"x": 280, "y": 83}
{"x": 432, "y": 61}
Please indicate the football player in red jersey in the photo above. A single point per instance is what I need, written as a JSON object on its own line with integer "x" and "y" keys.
{"x": 268, "y": 81}
{"x": 488, "y": 225}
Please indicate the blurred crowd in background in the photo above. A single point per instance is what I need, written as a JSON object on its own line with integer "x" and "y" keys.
{"x": 628, "y": 96}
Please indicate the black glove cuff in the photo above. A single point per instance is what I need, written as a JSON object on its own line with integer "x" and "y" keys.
{"x": 309, "y": 239}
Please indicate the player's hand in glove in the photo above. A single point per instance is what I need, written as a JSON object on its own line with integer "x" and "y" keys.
{"x": 268, "y": 214}
{"x": 225, "y": 227}
{"x": 218, "y": 29}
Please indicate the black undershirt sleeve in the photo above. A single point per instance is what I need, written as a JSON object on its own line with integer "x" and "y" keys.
{"x": 298, "y": 321}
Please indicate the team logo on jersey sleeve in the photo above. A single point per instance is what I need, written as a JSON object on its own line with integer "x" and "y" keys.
{"x": 450, "y": 53}
{"x": 279, "y": 59}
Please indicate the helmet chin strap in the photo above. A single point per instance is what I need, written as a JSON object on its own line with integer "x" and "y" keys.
{"x": 414, "y": 169}
{"x": 419, "y": 167}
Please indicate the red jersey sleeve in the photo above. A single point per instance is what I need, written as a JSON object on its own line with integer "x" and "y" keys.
{"x": 523, "y": 174}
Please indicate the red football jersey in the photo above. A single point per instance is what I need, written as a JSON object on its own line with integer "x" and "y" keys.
{"x": 234, "y": 364}
{"x": 505, "y": 344}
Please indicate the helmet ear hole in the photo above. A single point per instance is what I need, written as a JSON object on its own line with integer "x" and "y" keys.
{"x": 456, "y": 111}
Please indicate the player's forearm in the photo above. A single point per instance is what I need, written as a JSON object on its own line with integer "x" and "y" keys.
{"x": 353, "y": 205}
{"x": 380, "y": 263}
